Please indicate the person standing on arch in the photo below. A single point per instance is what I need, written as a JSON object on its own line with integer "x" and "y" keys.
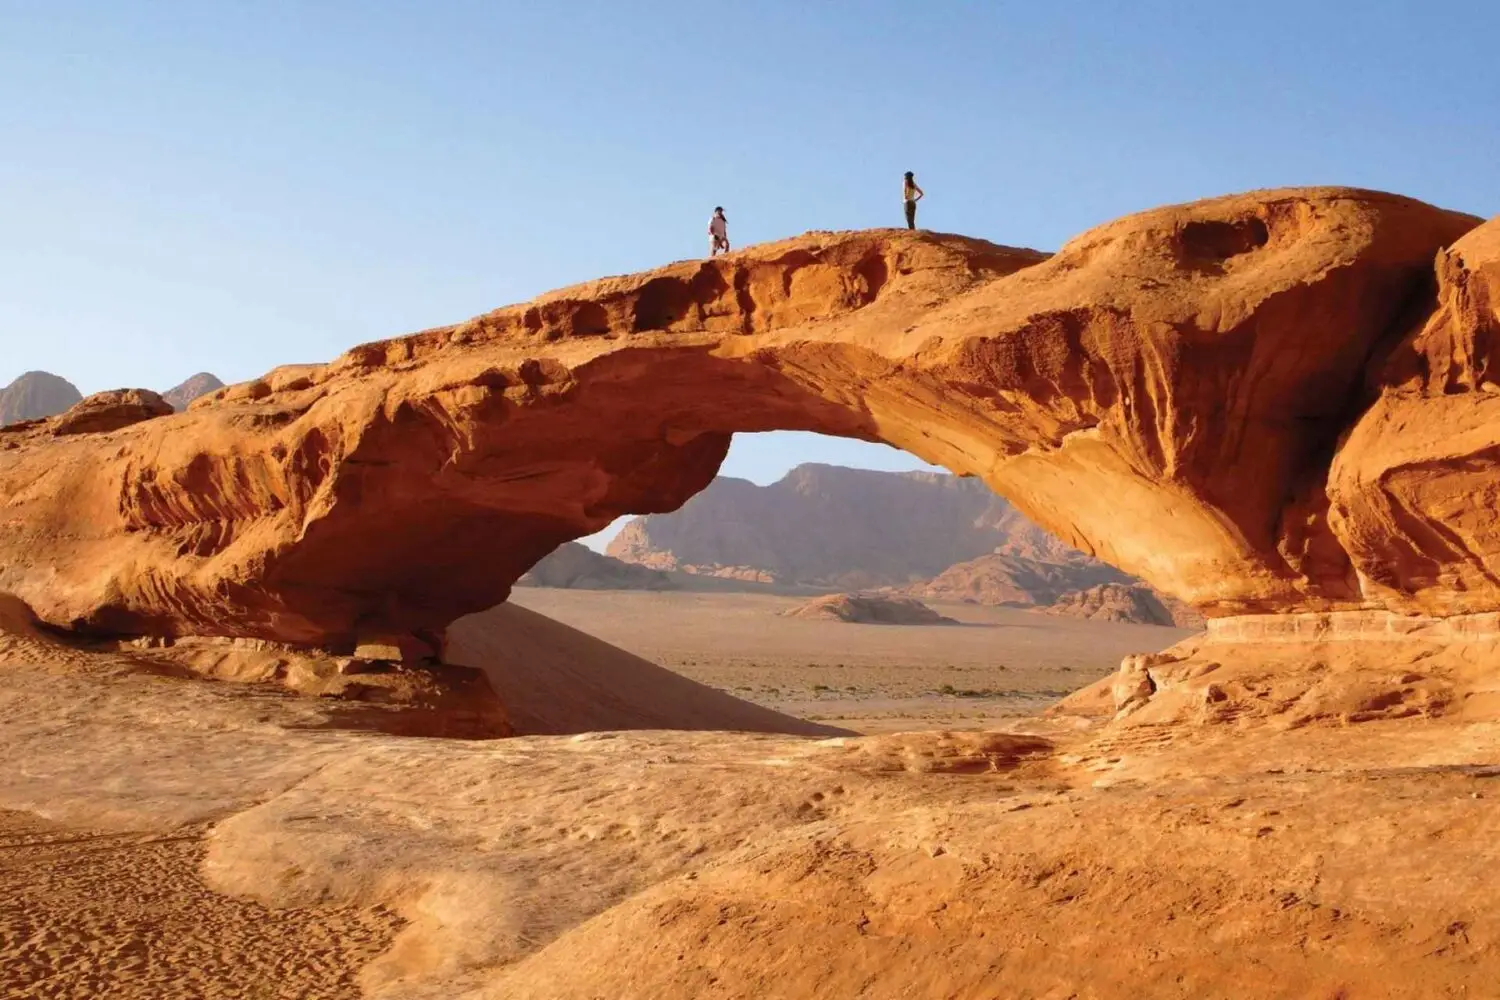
{"x": 910, "y": 195}
{"x": 718, "y": 229}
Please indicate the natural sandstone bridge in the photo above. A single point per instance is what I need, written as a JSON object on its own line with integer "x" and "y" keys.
{"x": 1259, "y": 403}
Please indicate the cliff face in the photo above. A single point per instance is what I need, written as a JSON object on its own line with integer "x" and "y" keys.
{"x": 1415, "y": 489}
{"x": 1167, "y": 393}
{"x": 35, "y": 395}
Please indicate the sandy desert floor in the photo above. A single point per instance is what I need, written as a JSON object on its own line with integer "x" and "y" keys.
{"x": 997, "y": 664}
{"x": 99, "y": 913}
{"x": 174, "y": 837}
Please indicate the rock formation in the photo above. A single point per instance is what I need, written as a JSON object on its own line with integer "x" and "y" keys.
{"x": 1001, "y": 578}
{"x": 184, "y": 393}
{"x": 1166, "y": 393}
{"x": 868, "y": 609}
{"x": 110, "y": 411}
{"x": 35, "y": 395}
{"x": 578, "y": 567}
{"x": 1415, "y": 489}
{"x": 1119, "y": 602}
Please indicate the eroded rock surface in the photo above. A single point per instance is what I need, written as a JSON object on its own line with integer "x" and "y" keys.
{"x": 1165, "y": 393}
{"x": 1416, "y": 487}
{"x": 110, "y": 411}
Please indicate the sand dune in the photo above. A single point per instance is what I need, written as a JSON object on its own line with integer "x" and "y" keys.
{"x": 556, "y": 679}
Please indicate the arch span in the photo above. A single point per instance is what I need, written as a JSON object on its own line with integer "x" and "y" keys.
{"x": 1165, "y": 392}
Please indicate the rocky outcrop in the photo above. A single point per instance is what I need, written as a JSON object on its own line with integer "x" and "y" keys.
{"x": 825, "y": 525}
{"x": 1308, "y": 668}
{"x": 36, "y": 395}
{"x": 1166, "y": 393}
{"x": 868, "y": 609}
{"x": 1415, "y": 488}
{"x": 1002, "y": 578}
{"x": 1118, "y": 602}
{"x": 184, "y": 393}
{"x": 110, "y": 411}
{"x": 577, "y": 567}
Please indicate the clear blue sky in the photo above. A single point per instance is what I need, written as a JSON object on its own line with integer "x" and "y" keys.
{"x": 235, "y": 185}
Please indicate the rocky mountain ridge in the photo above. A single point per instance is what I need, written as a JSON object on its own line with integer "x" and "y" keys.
{"x": 827, "y": 525}
{"x": 928, "y": 535}
{"x": 34, "y": 395}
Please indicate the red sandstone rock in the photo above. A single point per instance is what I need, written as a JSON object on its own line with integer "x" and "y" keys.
{"x": 110, "y": 411}
{"x": 1415, "y": 488}
{"x": 1164, "y": 393}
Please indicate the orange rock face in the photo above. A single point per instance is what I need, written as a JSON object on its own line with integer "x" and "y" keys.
{"x": 1166, "y": 393}
{"x": 1416, "y": 487}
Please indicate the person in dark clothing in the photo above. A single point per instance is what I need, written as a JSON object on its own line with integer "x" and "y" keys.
{"x": 910, "y": 195}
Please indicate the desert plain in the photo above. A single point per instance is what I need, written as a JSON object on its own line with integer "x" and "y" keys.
{"x": 995, "y": 664}
{"x": 167, "y": 836}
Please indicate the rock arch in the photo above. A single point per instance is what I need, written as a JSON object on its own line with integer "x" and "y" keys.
{"x": 1167, "y": 392}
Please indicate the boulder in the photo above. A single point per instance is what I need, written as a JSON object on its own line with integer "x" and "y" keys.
{"x": 110, "y": 411}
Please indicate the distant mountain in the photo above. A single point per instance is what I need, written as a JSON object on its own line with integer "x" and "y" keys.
{"x": 199, "y": 385}
{"x": 847, "y": 529}
{"x": 35, "y": 395}
{"x": 577, "y": 567}
{"x": 928, "y": 535}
